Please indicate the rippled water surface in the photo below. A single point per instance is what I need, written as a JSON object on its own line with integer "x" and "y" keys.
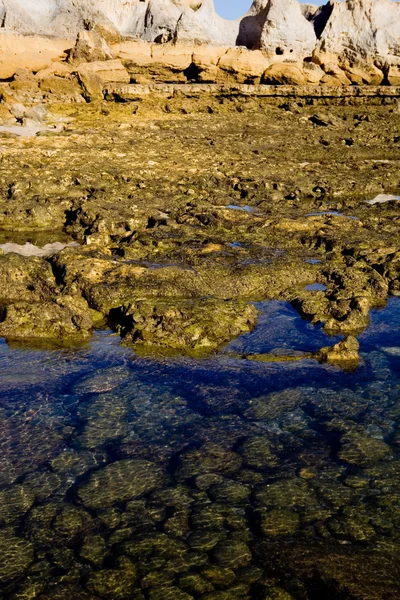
{"x": 168, "y": 479}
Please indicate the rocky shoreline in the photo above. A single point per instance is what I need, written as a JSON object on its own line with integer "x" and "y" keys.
{"x": 228, "y": 198}
{"x": 196, "y": 178}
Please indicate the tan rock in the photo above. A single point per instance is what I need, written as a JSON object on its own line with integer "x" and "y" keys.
{"x": 108, "y": 32}
{"x": 60, "y": 86}
{"x": 24, "y": 81}
{"x": 330, "y": 80}
{"x": 29, "y": 52}
{"x": 249, "y": 64}
{"x": 93, "y": 76}
{"x": 360, "y": 73}
{"x": 333, "y": 70}
{"x": 313, "y": 73}
{"x": 136, "y": 52}
{"x": 59, "y": 69}
{"x": 283, "y": 73}
{"x": 176, "y": 57}
{"x": 89, "y": 47}
{"x": 393, "y": 75}
{"x": 205, "y": 60}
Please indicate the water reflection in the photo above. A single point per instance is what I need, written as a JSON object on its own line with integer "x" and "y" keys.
{"x": 124, "y": 477}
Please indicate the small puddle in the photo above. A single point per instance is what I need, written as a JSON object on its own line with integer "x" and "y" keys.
{"x": 316, "y": 287}
{"x": 246, "y": 208}
{"x": 22, "y": 131}
{"x": 382, "y": 199}
{"x": 313, "y": 261}
{"x": 29, "y": 249}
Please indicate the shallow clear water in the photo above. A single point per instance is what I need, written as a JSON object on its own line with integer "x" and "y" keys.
{"x": 126, "y": 477}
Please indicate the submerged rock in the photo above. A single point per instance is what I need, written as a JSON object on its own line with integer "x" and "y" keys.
{"x": 118, "y": 482}
{"x": 210, "y": 458}
{"x": 279, "y": 522}
{"x": 16, "y": 555}
{"x": 362, "y": 450}
{"x": 231, "y": 554}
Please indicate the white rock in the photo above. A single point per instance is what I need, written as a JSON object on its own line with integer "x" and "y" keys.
{"x": 286, "y": 32}
{"x": 366, "y": 29}
{"x": 205, "y": 26}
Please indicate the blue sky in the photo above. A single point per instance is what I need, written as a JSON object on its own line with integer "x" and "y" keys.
{"x": 233, "y": 9}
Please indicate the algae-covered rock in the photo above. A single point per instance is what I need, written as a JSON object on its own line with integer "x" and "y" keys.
{"x": 119, "y": 482}
{"x": 15, "y": 502}
{"x": 221, "y": 577}
{"x": 25, "y": 279}
{"x": 272, "y": 405}
{"x": 94, "y": 550}
{"x": 168, "y": 593}
{"x": 279, "y": 522}
{"x": 103, "y": 380}
{"x": 204, "y": 541}
{"x": 16, "y": 555}
{"x": 230, "y": 492}
{"x": 66, "y": 317}
{"x": 287, "y": 492}
{"x": 209, "y": 518}
{"x": 66, "y": 591}
{"x": 344, "y": 353}
{"x": 194, "y": 583}
{"x": 185, "y": 325}
{"x": 231, "y": 554}
{"x": 105, "y": 418}
{"x": 362, "y": 450}
{"x": 113, "y": 584}
{"x": 344, "y": 570}
{"x": 54, "y": 523}
{"x": 258, "y": 452}
{"x": 210, "y": 458}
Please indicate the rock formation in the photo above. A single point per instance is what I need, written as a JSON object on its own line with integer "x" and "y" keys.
{"x": 277, "y": 41}
{"x": 286, "y": 32}
{"x": 363, "y": 31}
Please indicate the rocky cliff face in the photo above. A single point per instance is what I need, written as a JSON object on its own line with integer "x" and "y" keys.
{"x": 269, "y": 23}
{"x": 345, "y": 35}
{"x": 366, "y": 29}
